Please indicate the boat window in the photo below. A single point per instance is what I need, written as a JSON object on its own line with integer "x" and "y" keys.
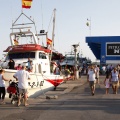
{"x": 21, "y": 55}
{"x": 42, "y": 55}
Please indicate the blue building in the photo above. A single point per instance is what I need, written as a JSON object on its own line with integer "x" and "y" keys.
{"x": 105, "y": 48}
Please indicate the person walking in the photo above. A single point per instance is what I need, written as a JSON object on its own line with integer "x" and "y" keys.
{"x": 107, "y": 84}
{"x": 80, "y": 70}
{"x": 22, "y": 77}
{"x": 2, "y": 86}
{"x": 91, "y": 79}
{"x": 72, "y": 73}
{"x": 115, "y": 80}
{"x": 67, "y": 73}
{"x": 97, "y": 70}
{"x": 57, "y": 71}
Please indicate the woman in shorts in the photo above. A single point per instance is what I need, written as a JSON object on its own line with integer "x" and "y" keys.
{"x": 115, "y": 80}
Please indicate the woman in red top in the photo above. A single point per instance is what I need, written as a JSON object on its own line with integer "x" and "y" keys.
{"x": 18, "y": 67}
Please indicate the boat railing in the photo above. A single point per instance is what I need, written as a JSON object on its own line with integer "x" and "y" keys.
{"x": 15, "y": 36}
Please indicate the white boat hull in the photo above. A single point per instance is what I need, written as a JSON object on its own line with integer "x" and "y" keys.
{"x": 38, "y": 84}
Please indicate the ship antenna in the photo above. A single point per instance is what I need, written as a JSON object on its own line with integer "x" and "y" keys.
{"x": 42, "y": 14}
{"x": 42, "y": 20}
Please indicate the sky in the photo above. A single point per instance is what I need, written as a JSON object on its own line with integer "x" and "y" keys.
{"x": 70, "y": 25}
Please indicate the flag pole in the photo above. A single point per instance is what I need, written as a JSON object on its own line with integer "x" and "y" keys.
{"x": 21, "y": 6}
{"x": 22, "y": 10}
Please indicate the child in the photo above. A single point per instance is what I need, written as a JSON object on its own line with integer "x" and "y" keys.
{"x": 107, "y": 83}
{"x": 2, "y": 87}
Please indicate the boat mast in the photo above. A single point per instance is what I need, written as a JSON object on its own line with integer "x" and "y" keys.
{"x": 53, "y": 33}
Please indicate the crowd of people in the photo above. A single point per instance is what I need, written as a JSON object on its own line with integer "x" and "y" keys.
{"x": 111, "y": 72}
{"x": 112, "y": 78}
{"x": 22, "y": 76}
{"x": 67, "y": 71}
{"x": 11, "y": 65}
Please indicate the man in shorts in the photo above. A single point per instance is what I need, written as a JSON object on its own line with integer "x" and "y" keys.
{"x": 22, "y": 77}
{"x": 91, "y": 79}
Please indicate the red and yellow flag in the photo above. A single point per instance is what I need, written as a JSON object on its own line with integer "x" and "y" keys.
{"x": 49, "y": 41}
{"x": 26, "y": 4}
{"x": 16, "y": 42}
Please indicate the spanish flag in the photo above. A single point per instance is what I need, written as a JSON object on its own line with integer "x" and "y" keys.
{"x": 26, "y": 4}
{"x": 16, "y": 42}
{"x": 49, "y": 41}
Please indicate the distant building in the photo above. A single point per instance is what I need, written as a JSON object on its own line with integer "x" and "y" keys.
{"x": 105, "y": 48}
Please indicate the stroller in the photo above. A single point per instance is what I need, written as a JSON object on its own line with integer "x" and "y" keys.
{"x": 13, "y": 91}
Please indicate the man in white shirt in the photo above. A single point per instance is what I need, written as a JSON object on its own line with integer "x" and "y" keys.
{"x": 103, "y": 69}
{"x": 80, "y": 70}
{"x": 22, "y": 76}
{"x": 91, "y": 79}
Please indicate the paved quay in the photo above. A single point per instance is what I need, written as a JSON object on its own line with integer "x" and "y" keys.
{"x": 74, "y": 102}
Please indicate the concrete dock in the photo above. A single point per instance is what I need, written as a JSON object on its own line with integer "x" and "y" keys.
{"x": 71, "y": 101}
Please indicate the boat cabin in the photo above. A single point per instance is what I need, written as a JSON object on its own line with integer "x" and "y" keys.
{"x": 21, "y": 49}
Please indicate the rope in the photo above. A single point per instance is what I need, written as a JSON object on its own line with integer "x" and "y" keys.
{"x": 41, "y": 84}
{"x": 47, "y": 97}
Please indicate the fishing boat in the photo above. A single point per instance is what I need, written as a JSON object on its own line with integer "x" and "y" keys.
{"x": 69, "y": 60}
{"x": 24, "y": 45}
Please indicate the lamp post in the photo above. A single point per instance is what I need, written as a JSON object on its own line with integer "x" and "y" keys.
{"x": 76, "y": 68}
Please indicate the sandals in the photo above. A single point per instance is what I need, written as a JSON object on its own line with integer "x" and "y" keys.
{"x": 26, "y": 105}
{"x": 20, "y": 104}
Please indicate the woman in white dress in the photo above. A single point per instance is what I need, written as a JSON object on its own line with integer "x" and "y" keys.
{"x": 107, "y": 84}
